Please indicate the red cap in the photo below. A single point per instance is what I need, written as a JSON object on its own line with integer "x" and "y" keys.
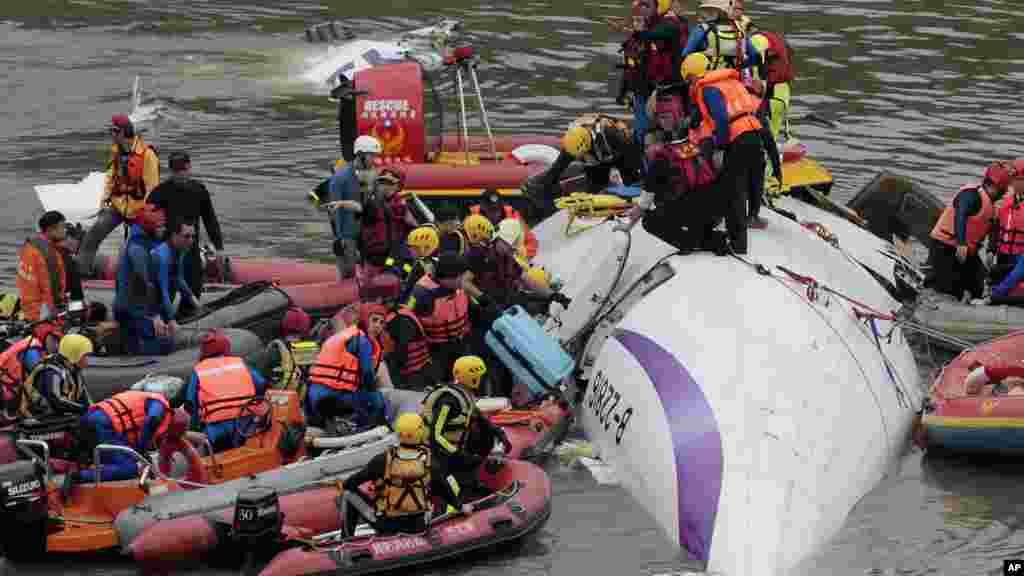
{"x": 121, "y": 121}
{"x": 215, "y": 343}
{"x": 368, "y": 309}
{"x": 295, "y": 323}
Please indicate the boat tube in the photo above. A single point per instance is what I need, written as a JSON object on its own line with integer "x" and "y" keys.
{"x": 990, "y": 421}
{"x": 959, "y": 325}
{"x": 520, "y": 505}
{"x": 725, "y": 431}
{"x": 87, "y": 513}
{"x": 288, "y": 479}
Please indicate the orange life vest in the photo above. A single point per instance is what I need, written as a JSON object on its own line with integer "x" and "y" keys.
{"x": 37, "y": 256}
{"x": 338, "y": 368}
{"x": 740, "y": 105}
{"x": 225, "y": 388}
{"x": 418, "y": 351}
{"x": 978, "y": 226}
{"x": 529, "y": 238}
{"x": 12, "y": 371}
{"x": 128, "y": 186}
{"x": 1011, "y": 227}
{"x": 127, "y": 413}
{"x": 449, "y": 321}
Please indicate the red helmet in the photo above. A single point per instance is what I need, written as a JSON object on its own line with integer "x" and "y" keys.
{"x": 998, "y": 176}
{"x": 151, "y": 218}
{"x": 296, "y": 323}
{"x": 44, "y": 329}
{"x": 215, "y": 343}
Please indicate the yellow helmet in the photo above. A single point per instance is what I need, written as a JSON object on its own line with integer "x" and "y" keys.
{"x": 664, "y": 6}
{"x": 539, "y": 276}
{"x": 760, "y": 43}
{"x": 478, "y": 228}
{"x": 424, "y": 241}
{"x": 695, "y": 65}
{"x": 577, "y": 141}
{"x": 74, "y": 347}
{"x": 339, "y": 164}
{"x": 410, "y": 429}
{"x": 468, "y": 371}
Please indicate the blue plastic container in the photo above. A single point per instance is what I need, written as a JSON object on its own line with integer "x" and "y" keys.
{"x": 533, "y": 356}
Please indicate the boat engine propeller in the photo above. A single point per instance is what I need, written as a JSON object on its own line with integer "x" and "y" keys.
{"x": 23, "y": 508}
{"x": 257, "y": 523}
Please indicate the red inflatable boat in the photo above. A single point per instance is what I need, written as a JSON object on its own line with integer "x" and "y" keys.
{"x": 988, "y": 421}
{"x": 521, "y": 503}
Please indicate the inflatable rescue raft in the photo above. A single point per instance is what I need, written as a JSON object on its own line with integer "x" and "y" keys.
{"x": 714, "y": 385}
{"x": 989, "y": 421}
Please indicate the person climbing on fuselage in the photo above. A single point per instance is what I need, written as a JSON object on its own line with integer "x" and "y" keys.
{"x": 496, "y": 211}
{"x": 41, "y": 279}
{"x": 719, "y": 36}
{"x": 346, "y": 191}
{"x": 771, "y": 59}
{"x": 133, "y": 172}
{"x": 955, "y": 267}
{"x": 135, "y": 419}
{"x": 442, "y": 306}
{"x": 222, "y": 394}
{"x": 451, "y": 416}
{"x": 343, "y": 379}
{"x": 55, "y": 385}
{"x": 143, "y": 331}
{"x": 405, "y": 479}
{"x": 652, "y": 57}
{"x": 385, "y": 220}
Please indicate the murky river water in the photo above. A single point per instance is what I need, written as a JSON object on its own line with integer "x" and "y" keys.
{"x": 923, "y": 88}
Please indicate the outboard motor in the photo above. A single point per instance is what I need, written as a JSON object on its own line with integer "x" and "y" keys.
{"x": 23, "y": 509}
{"x": 61, "y": 433}
{"x": 257, "y": 523}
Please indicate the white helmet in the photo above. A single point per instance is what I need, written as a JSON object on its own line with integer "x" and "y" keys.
{"x": 366, "y": 145}
{"x": 723, "y": 5}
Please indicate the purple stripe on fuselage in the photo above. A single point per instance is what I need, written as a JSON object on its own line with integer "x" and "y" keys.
{"x": 696, "y": 440}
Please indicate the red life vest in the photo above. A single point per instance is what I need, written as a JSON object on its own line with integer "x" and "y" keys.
{"x": 127, "y": 413}
{"x": 978, "y": 226}
{"x": 779, "y": 61}
{"x": 691, "y": 170}
{"x": 741, "y": 106}
{"x": 225, "y": 388}
{"x": 387, "y": 230}
{"x": 1011, "y": 227}
{"x": 449, "y": 320}
{"x": 12, "y": 371}
{"x": 418, "y": 350}
{"x": 663, "y": 57}
{"x": 338, "y": 368}
{"x": 501, "y": 272}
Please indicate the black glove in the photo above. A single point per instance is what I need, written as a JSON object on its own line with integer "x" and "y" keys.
{"x": 503, "y": 438}
{"x": 485, "y": 301}
{"x": 561, "y": 299}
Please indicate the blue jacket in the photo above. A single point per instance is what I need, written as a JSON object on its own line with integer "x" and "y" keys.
{"x": 192, "y": 391}
{"x": 155, "y": 414}
{"x": 134, "y": 290}
{"x": 719, "y": 113}
{"x": 168, "y": 269}
{"x": 344, "y": 185}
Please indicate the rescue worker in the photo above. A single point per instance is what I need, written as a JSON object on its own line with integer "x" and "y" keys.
{"x": 385, "y": 219}
{"x": 442, "y": 306}
{"x": 666, "y": 107}
{"x": 495, "y": 210}
{"x": 405, "y": 479}
{"x": 20, "y": 358}
{"x": 136, "y": 419}
{"x": 55, "y": 385}
{"x": 652, "y": 57}
{"x": 772, "y": 61}
{"x": 407, "y": 351}
{"x": 451, "y": 416}
{"x": 602, "y": 143}
{"x": 41, "y": 279}
{"x": 719, "y": 36}
{"x": 284, "y": 359}
{"x": 955, "y": 267}
{"x": 182, "y": 197}
{"x": 372, "y": 321}
{"x": 135, "y": 292}
{"x": 222, "y": 393}
{"x": 449, "y": 230}
{"x": 732, "y": 136}
{"x": 346, "y": 192}
{"x": 1011, "y": 238}
{"x": 343, "y": 379}
{"x": 133, "y": 172}
{"x": 423, "y": 244}
{"x": 167, "y": 262}
{"x": 494, "y": 270}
